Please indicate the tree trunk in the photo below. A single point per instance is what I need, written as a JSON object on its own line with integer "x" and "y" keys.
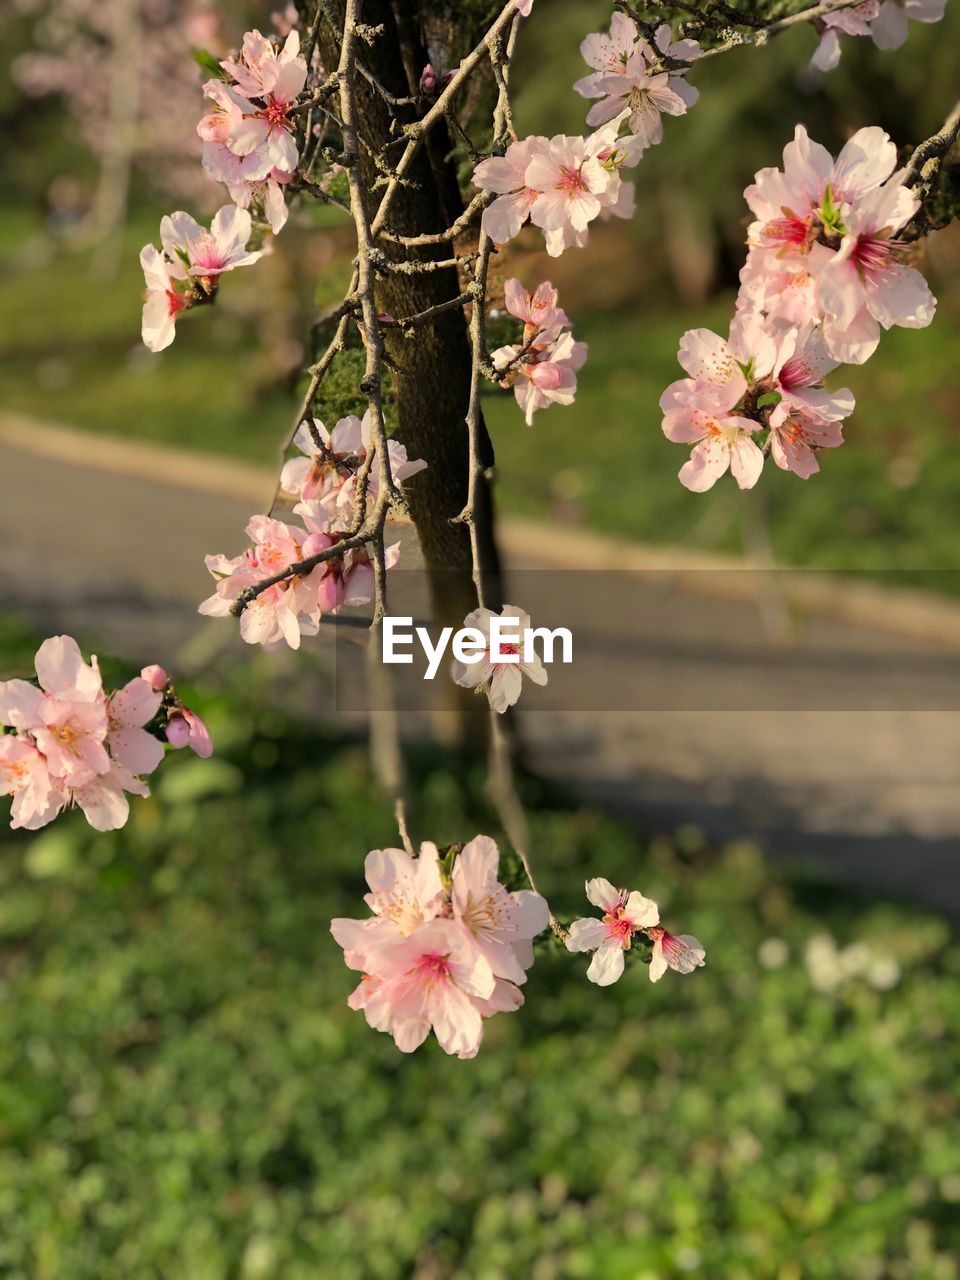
{"x": 431, "y": 370}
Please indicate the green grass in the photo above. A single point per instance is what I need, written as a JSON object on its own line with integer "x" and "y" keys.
{"x": 183, "y": 1091}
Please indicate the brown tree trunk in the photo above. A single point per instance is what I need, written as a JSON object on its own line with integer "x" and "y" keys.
{"x": 431, "y": 370}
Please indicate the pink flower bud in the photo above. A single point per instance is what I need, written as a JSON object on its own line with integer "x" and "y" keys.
{"x": 428, "y": 79}
{"x": 178, "y": 731}
{"x": 155, "y": 677}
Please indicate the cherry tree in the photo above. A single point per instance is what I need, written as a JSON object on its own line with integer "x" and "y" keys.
{"x": 357, "y": 105}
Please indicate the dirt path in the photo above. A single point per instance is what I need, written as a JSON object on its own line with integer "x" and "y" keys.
{"x": 832, "y": 741}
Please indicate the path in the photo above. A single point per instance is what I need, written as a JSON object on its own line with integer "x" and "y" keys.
{"x": 838, "y": 742}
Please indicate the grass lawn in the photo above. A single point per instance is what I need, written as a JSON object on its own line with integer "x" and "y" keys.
{"x": 184, "y": 1092}
{"x": 70, "y": 352}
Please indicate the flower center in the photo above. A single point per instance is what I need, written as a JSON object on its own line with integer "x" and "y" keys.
{"x": 571, "y": 180}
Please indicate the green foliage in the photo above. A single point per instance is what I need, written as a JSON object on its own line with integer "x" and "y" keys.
{"x": 183, "y": 1091}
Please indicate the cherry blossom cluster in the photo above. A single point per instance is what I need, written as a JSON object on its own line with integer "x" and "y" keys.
{"x": 542, "y": 367}
{"x": 248, "y": 144}
{"x": 247, "y": 134}
{"x": 885, "y": 23}
{"x": 334, "y": 475}
{"x": 447, "y": 945}
{"x": 825, "y": 272}
{"x": 627, "y": 915}
{"x": 65, "y": 742}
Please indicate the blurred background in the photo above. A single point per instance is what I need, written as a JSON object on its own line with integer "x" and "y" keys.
{"x": 183, "y": 1092}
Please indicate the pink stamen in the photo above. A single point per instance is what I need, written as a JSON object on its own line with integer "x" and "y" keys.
{"x": 873, "y": 254}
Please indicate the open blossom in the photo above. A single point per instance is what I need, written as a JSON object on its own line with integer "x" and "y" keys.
{"x": 327, "y": 472}
{"x": 501, "y": 924}
{"x": 625, "y": 83}
{"x": 756, "y": 379}
{"x": 267, "y": 87}
{"x": 209, "y": 253}
{"x": 506, "y": 176}
{"x": 680, "y": 952}
{"x": 543, "y": 366}
{"x": 570, "y": 182}
{"x": 442, "y": 950}
{"x": 501, "y": 665}
{"x": 867, "y": 285}
{"x": 624, "y": 914}
{"x": 886, "y": 23}
{"x": 702, "y": 410}
{"x": 73, "y": 745}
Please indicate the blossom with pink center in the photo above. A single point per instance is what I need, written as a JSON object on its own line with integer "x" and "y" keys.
{"x": 867, "y": 285}
{"x": 506, "y": 176}
{"x": 342, "y": 580}
{"x": 680, "y": 952}
{"x": 209, "y": 253}
{"x": 261, "y": 66}
{"x": 626, "y": 84}
{"x": 327, "y": 472}
{"x": 501, "y": 667}
{"x": 431, "y": 979}
{"x": 701, "y": 410}
{"x": 571, "y": 182}
{"x": 165, "y": 298}
{"x": 186, "y": 729}
{"x": 128, "y": 710}
{"x": 796, "y": 437}
{"x": 855, "y": 21}
{"x": 267, "y": 87}
{"x": 889, "y": 28}
{"x": 806, "y": 200}
{"x": 502, "y": 924}
{"x": 624, "y": 914}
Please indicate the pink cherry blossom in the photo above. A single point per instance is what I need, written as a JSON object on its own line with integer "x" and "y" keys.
{"x": 570, "y": 181}
{"x": 261, "y": 66}
{"x": 327, "y": 472}
{"x": 186, "y": 729}
{"x": 701, "y": 410}
{"x": 501, "y": 673}
{"x": 867, "y": 285}
{"x": 165, "y": 298}
{"x": 430, "y": 980}
{"x": 501, "y": 924}
{"x": 24, "y": 776}
{"x": 209, "y": 253}
{"x": 889, "y": 28}
{"x": 624, "y": 914}
{"x": 435, "y": 950}
{"x": 680, "y": 952}
{"x": 626, "y": 84}
{"x": 852, "y": 22}
{"x": 283, "y": 612}
{"x": 274, "y": 80}
{"x": 128, "y": 710}
{"x": 542, "y": 368}
{"x": 506, "y": 176}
